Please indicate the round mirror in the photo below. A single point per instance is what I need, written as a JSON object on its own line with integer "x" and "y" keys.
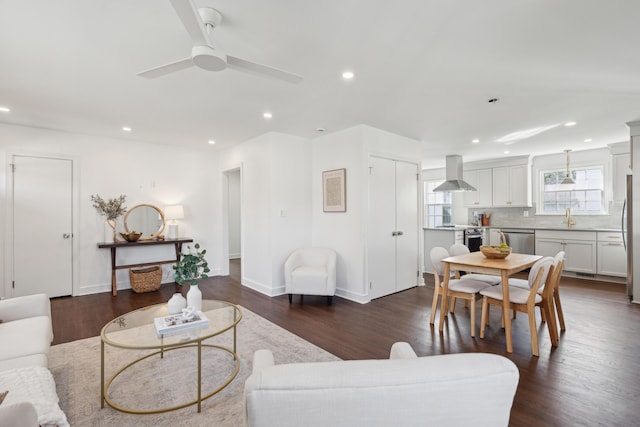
{"x": 146, "y": 219}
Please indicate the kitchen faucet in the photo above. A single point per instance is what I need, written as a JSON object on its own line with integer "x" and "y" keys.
{"x": 567, "y": 214}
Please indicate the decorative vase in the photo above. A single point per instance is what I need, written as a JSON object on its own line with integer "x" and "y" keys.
{"x": 114, "y": 225}
{"x": 194, "y": 297}
{"x": 176, "y": 303}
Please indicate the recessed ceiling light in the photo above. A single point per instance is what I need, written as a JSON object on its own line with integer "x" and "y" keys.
{"x": 267, "y": 115}
{"x": 320, "y": 129}
{"x": 588, "y": 140}
{"x": 5, "y": 109}
{"x": 126, "y": 128}
{"x": 211, "y": 142}
{"x": 348, "y": 75}
{"x": 507, "y": 152}
{"x": 569, "y": 124}
{"x": 475, "y": 141}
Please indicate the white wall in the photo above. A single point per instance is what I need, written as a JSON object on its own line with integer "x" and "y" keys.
{"x": 275, "y": 178}
{"x": 145, "y": 173}
{"x": 346, "y": 232}
{"x": 343, "y": 232}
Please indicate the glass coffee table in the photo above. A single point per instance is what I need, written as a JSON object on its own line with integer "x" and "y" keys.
{"x": 136, "y": 331}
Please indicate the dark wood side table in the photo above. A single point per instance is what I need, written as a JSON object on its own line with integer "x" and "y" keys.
{"x": 177, "y": 243}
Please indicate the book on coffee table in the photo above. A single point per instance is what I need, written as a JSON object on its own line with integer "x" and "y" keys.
{"x": 176, "y": 323}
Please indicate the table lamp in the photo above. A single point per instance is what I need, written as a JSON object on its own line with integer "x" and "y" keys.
{"x": 172, "y": 213}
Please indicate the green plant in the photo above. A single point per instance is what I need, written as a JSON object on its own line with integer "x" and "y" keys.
{"x": 191, "y": 266}
{"x": 112, "y": 208}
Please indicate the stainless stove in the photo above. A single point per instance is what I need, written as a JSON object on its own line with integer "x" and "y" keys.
{"x": 474, "y": 237}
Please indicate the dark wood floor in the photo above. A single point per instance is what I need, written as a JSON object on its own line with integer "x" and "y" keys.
{"x": 591, "y": 378}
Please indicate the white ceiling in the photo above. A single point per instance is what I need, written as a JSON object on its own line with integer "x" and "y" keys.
{"x": 424, "y": 69}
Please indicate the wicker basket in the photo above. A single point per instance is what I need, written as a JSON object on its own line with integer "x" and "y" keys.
{"x": 145, "y": 279}
{"x": 495, "y": 252}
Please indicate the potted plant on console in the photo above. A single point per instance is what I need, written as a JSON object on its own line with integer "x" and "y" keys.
{"x": 191, "y": 267}
{"x": 112, "y": 209}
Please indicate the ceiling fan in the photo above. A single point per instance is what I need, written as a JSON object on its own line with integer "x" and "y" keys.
{"x": 199, "y": 23}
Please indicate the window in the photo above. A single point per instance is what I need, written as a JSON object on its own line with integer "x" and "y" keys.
{"x": 437, "y": 205}
{"x": 585, "y": 196}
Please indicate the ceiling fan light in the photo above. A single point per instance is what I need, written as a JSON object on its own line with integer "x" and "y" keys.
{"x": 208, "y": 58}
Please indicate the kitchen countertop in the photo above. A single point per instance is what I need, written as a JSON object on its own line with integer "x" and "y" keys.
{"x": 464, "y": 227}
{"x": 617, "y": 230}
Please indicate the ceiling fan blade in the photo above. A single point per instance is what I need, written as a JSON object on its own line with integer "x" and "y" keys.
{"x": 166, "y": 69}
{"x": 188, "y": 14}
{"x": 261, "y": 70}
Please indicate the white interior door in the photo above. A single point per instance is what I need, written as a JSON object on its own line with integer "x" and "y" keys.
{"x": 382, "y": 212}
{"x": 42, "y": 226}
{"x": 393, "y": 226}
{"x": 407, "y": 243}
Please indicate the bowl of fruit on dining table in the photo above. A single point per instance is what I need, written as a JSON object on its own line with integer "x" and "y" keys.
{"x": 496, "y": 252}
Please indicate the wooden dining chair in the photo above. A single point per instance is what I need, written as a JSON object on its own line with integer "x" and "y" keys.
{"x": 522, "y": 300}
{"x": 558, "y": 263}
{"x": 460, "y": 249}
{"x": 467, "y": 290}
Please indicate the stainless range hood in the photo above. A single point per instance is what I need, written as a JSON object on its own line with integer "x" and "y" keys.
{"x": 454, "y": 180}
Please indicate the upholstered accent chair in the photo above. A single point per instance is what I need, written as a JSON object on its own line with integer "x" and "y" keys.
{"x": 311, "y": 271}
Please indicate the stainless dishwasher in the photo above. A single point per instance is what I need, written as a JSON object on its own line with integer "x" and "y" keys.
{"x": 521, "y": 240}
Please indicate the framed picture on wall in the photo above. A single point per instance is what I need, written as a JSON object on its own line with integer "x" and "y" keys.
{"x": 334, "y": 190}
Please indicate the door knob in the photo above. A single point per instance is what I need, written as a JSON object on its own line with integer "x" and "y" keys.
{"x": 66, "y": 235}
{"x": 399, "y": 233}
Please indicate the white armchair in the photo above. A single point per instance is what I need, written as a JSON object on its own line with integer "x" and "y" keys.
{"x": 311, "y": 271}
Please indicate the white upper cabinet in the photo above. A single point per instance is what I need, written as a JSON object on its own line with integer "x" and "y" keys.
{"x": 511, "y": 186}
{"x": 481, "y": 179}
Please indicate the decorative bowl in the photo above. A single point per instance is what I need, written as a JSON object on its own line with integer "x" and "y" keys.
{"x": 495, "y": 252}
{"x": 131, "y": 236}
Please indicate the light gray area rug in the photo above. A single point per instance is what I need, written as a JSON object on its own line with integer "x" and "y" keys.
{"x": 157, "y": 382}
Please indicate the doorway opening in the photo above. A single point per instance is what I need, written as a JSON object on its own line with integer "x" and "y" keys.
{"x": 232, "y": 211}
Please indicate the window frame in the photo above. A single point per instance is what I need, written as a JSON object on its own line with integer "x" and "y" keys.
{"x": 426, "y": 215}
{"x": 541, "y": 192}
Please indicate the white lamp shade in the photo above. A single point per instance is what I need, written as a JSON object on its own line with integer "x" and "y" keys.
{"x": 174, "y": 212}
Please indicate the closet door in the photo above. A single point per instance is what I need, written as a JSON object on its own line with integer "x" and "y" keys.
{"x": 407, "y": 262}
{"x": 382, "y": 213}
{"x": 393, "y": 234}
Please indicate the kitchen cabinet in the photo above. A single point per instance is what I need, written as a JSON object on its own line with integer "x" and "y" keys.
{"x": 612, "y": 257}
{"x": 511, "y": 186}
{"x": 579, "y": 247}
{"x": 481, "y": 179}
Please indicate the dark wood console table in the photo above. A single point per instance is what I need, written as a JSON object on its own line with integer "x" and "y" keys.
{"x": 177, "y": 243}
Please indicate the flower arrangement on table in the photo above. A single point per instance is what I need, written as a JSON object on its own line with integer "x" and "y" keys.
{"x": 112, "y": 209}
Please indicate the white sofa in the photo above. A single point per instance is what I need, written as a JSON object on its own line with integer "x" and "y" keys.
{"x": 25, "y": 338}
{"x": 469, "y": 389}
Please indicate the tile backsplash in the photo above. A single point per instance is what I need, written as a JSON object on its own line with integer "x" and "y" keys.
{"x": 514, "y": 217}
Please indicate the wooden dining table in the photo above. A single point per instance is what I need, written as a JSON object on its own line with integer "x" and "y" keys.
{"x": 476, "y": 262}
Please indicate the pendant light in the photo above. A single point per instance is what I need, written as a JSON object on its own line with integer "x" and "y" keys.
{"x": 567, "y": 179}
